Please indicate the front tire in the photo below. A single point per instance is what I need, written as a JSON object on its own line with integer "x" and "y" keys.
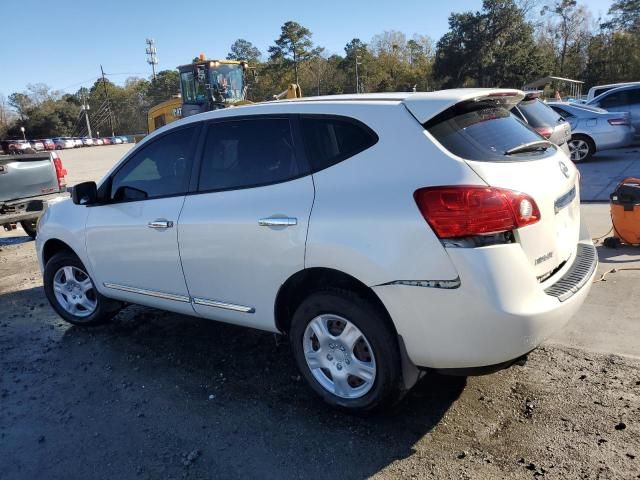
{"x": 72, "y": 293}
{"x": 581, "y": 148}
{"x": 346, "y": 351}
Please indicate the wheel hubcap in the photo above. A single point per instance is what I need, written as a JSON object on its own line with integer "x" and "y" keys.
{"x": 74, "y": 291}
{"x": 578, "y": 149}
{"x": 339, "y": 356}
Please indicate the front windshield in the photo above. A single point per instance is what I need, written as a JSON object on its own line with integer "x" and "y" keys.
{"x": 228, "y": 80}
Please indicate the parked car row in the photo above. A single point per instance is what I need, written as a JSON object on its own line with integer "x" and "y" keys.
{"x": 610, "y": 120}
{"x": 14, "y": 147}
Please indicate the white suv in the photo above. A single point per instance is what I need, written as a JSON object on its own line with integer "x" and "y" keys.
{"x": 385, "y": 234}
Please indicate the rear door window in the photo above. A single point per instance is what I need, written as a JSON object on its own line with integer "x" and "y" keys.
{"x": 483, "y": 131}
{"x": 248, "y": 153}
{"x": 330, "y": 140}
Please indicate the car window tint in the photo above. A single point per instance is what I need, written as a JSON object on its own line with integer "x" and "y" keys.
{"x": 483, "y": 131}
{"x": 538, "y": 114}
{"x": 161, "y": 168}
{"x": 331, "y": 140}
{"x": 616, "y": 99}
{"x": 248, "y": 152}
{"x": 563, "y": 113}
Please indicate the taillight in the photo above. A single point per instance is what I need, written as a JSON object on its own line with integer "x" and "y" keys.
{"x": 546, "y": 132}
{"x": 465, "y": 211}
{"x": 618, "y": 121}
{"x": 60, "y": 171}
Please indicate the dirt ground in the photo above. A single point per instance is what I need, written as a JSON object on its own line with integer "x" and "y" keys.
{"x": 155, "y": 395}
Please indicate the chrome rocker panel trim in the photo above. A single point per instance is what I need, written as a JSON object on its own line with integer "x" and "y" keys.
{"x": 149, "y": 293}
{"x": 227, "y": 306}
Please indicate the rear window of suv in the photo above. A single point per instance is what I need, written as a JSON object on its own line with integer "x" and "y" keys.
{"x": 538, "y": 114}
{"x": 482, "y": 131}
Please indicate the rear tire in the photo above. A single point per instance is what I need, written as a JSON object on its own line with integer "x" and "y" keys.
{"x": 581, "y": 148}
{"x": 29, "y": 226}
{"x": 72, "y": 293}
{"x": 346, "y": 351}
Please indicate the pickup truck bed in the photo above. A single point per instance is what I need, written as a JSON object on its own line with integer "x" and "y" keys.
{"x": 27, "y": 183}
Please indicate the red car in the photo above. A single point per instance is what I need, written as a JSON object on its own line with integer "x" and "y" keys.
{"x": 48, "y": 144}
{"x": 107, "y": 141}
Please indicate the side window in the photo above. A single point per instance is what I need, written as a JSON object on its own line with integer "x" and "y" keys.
{"x": 160, "y": 168}
{"x": 247, "y": 153}
{"x": 331, "y": 140}
{"x": 159, "y": 121}
{"x": 635, "y": 96}
{"x": 563, "y": 113}
{"x": 616, "y": 99}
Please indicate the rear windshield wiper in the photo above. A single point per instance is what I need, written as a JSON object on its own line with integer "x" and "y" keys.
{"x": 530, "y": 147}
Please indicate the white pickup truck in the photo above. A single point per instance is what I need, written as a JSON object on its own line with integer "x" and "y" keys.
{"x": 27, "y": 184}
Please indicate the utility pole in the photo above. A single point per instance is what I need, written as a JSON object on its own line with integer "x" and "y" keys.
{"x": 357, "y": 76}
{"x": 85, "y": 108}
{"x": 106, "y": 94}
{"x": 152, "y": 57}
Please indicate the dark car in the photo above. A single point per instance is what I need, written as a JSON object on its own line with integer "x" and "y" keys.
{"x": 17, "y": 147}
{"x": 544, "y": 120}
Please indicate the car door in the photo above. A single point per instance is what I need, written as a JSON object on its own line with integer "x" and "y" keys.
{"x": 132, "y": 241}
{"x": 243, "y": 234}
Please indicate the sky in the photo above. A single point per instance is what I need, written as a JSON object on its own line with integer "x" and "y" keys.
{"x": 64, "y": 46}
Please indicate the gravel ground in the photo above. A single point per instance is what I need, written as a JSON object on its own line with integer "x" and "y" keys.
{"x": 157, "y": 395}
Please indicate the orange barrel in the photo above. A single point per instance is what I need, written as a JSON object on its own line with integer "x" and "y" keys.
{"x": 625, "y": 211}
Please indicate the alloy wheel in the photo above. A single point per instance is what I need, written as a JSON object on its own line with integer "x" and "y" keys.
{"x": 578, "y": 149}
{"x": 74, "y": 291}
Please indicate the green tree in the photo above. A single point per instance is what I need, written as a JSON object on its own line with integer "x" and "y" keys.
{"x": 293, "y": 46}
{"x": 625, "y": 15}
{"x": 243, "y": 49}
{"x": 493, "y": 47}
{"x": 355, "y": 50}
{"x": 163, "y": 87}
{"x": 568, "y": 33}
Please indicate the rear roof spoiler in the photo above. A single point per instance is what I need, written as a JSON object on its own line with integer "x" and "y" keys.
{"x": 425, "y": 106}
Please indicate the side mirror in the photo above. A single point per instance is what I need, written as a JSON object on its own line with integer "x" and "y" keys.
{"x": 129, "y": 193}
{"x": 85, "y": 193}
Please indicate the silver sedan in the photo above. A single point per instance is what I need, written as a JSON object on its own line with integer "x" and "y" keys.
{"x": 594, "y": 129}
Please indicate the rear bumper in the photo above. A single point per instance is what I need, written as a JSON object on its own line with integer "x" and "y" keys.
{"x": 25, "y": 209}
{"x": 498, "y": 313}
{"x": 615, "y": 138}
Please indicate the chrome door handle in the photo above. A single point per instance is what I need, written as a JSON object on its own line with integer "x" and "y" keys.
{"x": 278, "y": 222}
{"x": 160, "y": 224}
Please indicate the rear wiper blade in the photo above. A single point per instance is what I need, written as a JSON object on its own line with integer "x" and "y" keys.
{"x": 530, "y": 147}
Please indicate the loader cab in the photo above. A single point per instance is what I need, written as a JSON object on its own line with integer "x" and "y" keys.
{"x": 211, "y": 84}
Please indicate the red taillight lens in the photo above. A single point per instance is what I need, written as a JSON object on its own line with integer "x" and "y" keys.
{"x": 60, "y": 171}
{"x": 465, "y": 211}
{"x": 546, "y": 132}
{"x": 618, "y": 121}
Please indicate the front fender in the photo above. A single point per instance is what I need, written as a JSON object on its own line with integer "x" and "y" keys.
{"x": 63, "y": 221}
